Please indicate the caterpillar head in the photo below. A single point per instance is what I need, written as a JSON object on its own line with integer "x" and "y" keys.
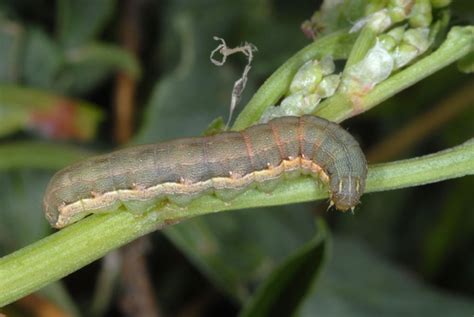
{"x": 346, "y": 191}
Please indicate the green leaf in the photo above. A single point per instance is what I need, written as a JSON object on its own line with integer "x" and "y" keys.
{"x": 286, "y": 287}
{"x": 58, "y": 293}
{"x": 46, "y": 113}
{"x": 81, "y": 21}
{"x": 43, "y": 59}
{"x": 21, "y": 219}
{"x": 238, "y": 251}
{"x": 16, "y": 155}
{"x": 86, "y": 66}
{"x": 450, "y": 230}
{"x": 356, "y": 282}
{"x": 106, "y": 56}
{"x": 11, "y": 38}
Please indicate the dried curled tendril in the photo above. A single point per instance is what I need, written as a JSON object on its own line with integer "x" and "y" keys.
{"x": 239, "y": 85}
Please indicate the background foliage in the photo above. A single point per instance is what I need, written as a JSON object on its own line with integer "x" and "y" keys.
{"x": 404, "y": 252}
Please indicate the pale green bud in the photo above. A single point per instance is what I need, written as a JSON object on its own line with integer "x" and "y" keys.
{"x": 378, "y": 21}
{"x": 310, "y": 103}
{"x": 374, "y": 6}
{"x": 399, "y": 9}
{"x": 387, "y": 41}
{"x": 415, "y": 42}
{"x": 418, "y": 38}
{"x": 327, "y": 87}
{"x": 397, "y": 33}
{"x": 307, "y": 78}
{"x": 404, "y": 54}
{"x": 327, "y": 65}
{"x": 376, "y": 66}
{"x": 271, "y": 113}
{"x": 421, "y": 14}
{"x": 298, "y": 104}
{"x": 292, "y": 102}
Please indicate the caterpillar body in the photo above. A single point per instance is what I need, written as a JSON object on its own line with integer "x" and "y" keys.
{"x": 226, "y": 165}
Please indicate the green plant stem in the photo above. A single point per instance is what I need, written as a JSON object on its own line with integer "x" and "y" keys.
{"x": 460, "y": 42}
{"x": 63, "y": 252}
{"x": 337, "y": 45}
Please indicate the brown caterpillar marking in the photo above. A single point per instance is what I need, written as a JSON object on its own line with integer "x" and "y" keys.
{"x": 226, "y": 165}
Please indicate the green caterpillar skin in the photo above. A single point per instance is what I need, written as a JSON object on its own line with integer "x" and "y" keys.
{"x": 227, "y": 164}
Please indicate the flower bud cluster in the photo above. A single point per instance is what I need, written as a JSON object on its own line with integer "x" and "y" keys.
{"x": 402, "y": 30}
{"x": 418, "y": 13}
{"x": 314, "y": 81}
{"x": 392, "y": 50}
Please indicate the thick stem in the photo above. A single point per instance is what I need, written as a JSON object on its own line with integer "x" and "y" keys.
{"x": 63, "y": 252}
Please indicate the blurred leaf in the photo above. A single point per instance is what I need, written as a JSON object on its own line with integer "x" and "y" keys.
{"x": 196, "y": 86}
{"x": 11, "y": 38}
{"x": 265, "y": 26}
{"x": 283, "y": 291}
{"x": 11, "y": 119}
{"x": 58, "y": 293}
{"x": 376, "y": 219}
{"x": 358, "y": 283}
{"x": 462, "y": 10}
{"x": 44, "y": 63}
{"x": 53, "y": 116}
{"x": 74, "y": 68}
{"x": 21, "y": 218}
{"x": 452, "y": 228}
{"x": 81, "y": 21}
{"x": 106, "y": 56}
{"x": 238, "y": 251}
{"x": 85, "y": 67}
{"x": 42, "y": 59}
{"x": 17, "y": 155}
{"x": 201, "y": 97}
{"x": 466, "y": 64}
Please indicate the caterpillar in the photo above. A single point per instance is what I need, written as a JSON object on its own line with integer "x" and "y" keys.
{"x": 227, "y": 164}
